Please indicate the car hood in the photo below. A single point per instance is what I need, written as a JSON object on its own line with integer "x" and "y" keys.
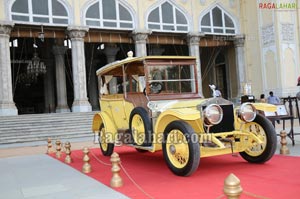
{"x": 162, "y": 105}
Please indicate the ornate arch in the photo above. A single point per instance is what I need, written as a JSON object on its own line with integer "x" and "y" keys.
{"x": 216, "y": 20}
{"x": 55, "y": 12}
{"x": 124, "y": 19}
{"x": 177, "y": 21}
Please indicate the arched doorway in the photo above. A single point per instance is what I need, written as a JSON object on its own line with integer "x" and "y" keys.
{"x": 28, "y": 69}
{"x": 36, "y": 91}
{"x": 214, "y": 70}
{"x": 220, "y": 73}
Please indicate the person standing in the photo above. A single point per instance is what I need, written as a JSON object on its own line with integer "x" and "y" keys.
{"x": 262, "y": 98}
{"x": 272, "y": 99}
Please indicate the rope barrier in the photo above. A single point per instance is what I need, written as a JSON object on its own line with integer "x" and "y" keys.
{"x": 133, "y": 181}
{"x": 126, "y": 173}
{"x": 221, "y": 196}
{"x": 246, "y": 193}
{"x": 254, "y": 195}
{"x": 100, "y": 161}
{"x": 141, "y": 189}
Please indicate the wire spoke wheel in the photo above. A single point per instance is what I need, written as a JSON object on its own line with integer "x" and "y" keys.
{"x": 265, "y": 131}
{"x": 102, "y": 139}
{"x": 138, "y": 129}
{"x": 181, "y": 148}
{"x": 177, "y": 148}
{"x": 106, "y": 148}
{"x": 257, "y": 148}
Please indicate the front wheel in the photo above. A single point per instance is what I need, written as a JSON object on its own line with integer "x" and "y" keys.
{"x": 106, "y": 148}
{"x": 181, "y": 148}
{"x": 264, "y": 130}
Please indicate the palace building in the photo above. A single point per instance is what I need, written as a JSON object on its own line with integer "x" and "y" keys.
{"x": 50, "y": 49}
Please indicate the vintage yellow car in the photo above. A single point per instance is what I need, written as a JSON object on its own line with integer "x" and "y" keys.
{"x": 152, "y": 103}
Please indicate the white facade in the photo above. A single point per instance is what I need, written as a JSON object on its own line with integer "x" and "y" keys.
{"x": 259, "y": 43}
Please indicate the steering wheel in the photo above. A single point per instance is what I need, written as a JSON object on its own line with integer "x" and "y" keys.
{"x": 155, "y": 87}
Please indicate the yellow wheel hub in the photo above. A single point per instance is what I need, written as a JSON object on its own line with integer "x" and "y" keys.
{"x": 177, "y": 149}
{"x": 138, "y": 129}
{"x": 257, "y": 148}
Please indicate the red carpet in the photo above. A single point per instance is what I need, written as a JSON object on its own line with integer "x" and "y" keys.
{"x": 277, "y": 179}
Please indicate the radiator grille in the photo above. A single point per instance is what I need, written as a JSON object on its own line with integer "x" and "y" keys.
{"x": 227, "y": 123}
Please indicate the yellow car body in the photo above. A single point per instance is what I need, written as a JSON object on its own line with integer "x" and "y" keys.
{"x": 151, "y": 103}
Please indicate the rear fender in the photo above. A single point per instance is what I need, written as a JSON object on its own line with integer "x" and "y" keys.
{"x": 103, "y": 118}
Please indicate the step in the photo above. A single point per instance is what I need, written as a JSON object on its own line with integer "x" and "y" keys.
{"x": 33, "y": 134}
{"x": 17, "y": 119}
{"x": 44, "y": 119}
{"x": 45, "y": 126}
{"x": 35, "y": 129}
{"x": 45, "y": 137}
{"x": 43, "y": 140}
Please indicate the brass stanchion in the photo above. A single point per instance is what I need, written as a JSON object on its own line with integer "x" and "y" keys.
{"x": 68, "y": 158}
{"x": 58, "y": 148}
{"x": 86, "y": 168}
{"x": 232, "y": 188}
{"x": 49, "y": 146}
{"x": 284, "y": 150}
{"x": 116, "y": 180}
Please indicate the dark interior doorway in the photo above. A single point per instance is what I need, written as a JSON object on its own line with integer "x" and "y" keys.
{"x": 214, "y": 70}
{"x": 28, "y": 88}
{"x": 28, "y": 85}
{"x": 220, "y": 70}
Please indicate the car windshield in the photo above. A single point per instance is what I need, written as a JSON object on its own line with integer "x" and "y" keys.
{"x": 171, "y": 79}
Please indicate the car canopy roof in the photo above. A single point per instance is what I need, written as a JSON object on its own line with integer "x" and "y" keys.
{"x": 116, "y": 67}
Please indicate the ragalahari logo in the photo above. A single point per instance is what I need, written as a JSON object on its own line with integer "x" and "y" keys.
{"x": 277, "y": 6}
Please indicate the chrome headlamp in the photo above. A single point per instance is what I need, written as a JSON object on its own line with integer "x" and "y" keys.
{"x": 247, "y": 112}
{"x": 152, "y": 106}
{"x": 213, "y": 114}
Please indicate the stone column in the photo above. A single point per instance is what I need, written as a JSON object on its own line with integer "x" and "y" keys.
{"x": 193, "y": 40}
{"x": 49, "y": 84}
{"x": 81, "y": 103}
{"x": 140, "y": 37}
{"x": 60, "y": 73}
{"x": 49, "y": 88}
{"x": 7, "y": 105}
{"x": 239, "y": 41}
{"x": 111, "y": 51}
{"x": 92, "y": 87}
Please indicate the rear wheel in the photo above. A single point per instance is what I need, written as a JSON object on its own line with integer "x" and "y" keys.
{"x": 106, "y": 148}
{"x": 181, "y": 148}
{"x": 140, "y": 127}
{"x": 262, "y": 128}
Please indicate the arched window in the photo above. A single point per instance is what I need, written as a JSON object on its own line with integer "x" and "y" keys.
{"x": 167, "y": 17}
{"x": 216, "y": 21}
{"x": 39, "y": 11}
{"x": 109, "y": 14}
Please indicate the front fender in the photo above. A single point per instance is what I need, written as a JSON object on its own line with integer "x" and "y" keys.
{"x": 265, "y": 107}
{"x": 103, "y": 118}
{"x": 185, "y": 114}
